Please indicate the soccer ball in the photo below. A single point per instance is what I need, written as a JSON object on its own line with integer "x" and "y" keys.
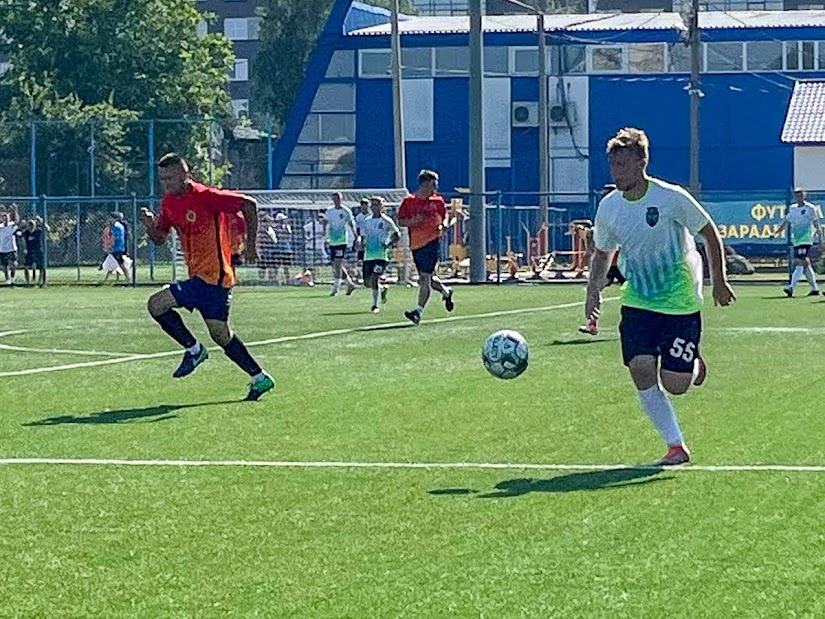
{"x": 505, "y": 354}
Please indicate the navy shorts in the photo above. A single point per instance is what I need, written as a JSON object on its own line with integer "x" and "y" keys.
{"x": 426, "y": 258}
{"x": 800, "y": 252}
{"x": 211, "y": 301}
{"x": 374, "y": 268}
{"x": 360, "y": 255}
{"x": 674, "y": 338}
{"x": 8, "y": 258}
{"x": 33, "y": 260}
{"x": 337, "y": 252}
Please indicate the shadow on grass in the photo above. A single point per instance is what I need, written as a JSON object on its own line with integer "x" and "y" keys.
{"x": 572, "y": 482}
{"x": 150, "y": 414}
{"x": 582, "y": 342}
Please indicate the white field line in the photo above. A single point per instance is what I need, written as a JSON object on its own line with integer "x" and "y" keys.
{"x": 62, "y": 351}
{"x": 293, "y": 338}
{"x": 724, "y": 468}
{"x": 770, "y": 330}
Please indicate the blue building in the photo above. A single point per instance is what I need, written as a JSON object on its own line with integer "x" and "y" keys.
{"x": 607, "y": 71}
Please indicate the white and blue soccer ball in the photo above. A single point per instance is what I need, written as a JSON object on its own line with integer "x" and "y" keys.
{"x": 505, "y": 354}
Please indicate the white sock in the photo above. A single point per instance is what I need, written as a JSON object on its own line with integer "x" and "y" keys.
{"x": 375, "y": 294}
{"x": 259, "y": 376}
{"x": 447, "y": 290}
{"x": 336, "y": 284}
{"x": 660, "y": 410}
{"x": 797, "y": 275}
{"x": 194, "y": 350}
{"x": 811, "y": 277}
{"x": 419, "y": 309}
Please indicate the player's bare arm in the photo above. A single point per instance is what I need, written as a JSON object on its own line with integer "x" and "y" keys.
{"x": 597, "y": 280}
{"x": 249, "y": 208}
{"x": 147, "y": 218}
{"x": 722, "y": 292}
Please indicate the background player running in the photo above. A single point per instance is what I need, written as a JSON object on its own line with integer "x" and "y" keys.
{"x": 378, "y": 234}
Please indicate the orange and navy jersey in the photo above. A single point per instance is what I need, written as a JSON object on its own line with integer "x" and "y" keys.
{"x": 201, "y": 218}
{"x": 429, "y": 229}
{"x": 237, "y": 232}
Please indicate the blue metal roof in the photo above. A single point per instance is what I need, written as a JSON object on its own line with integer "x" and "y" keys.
{"x": 805, "y": 120}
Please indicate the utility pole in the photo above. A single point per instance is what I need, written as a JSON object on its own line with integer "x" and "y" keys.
{"x": 397, "y": 102}
{"x": 478, "y": 216}
{"x": 544, "y": 133}
{"x": 695, "y": 42}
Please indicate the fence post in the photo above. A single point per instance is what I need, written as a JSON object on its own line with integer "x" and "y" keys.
{"x": 77, "y": 241}
{"x": 270, "y": 169}
{"x": 45, "y": 211}
{"x": 134, "y": 239}
{"x": 33, "y": 159}
{"x": 498, "y": 237}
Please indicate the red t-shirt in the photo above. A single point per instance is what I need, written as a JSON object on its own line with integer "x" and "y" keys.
{"x": 430, "y": 228}
{"x": 200, "y": 217}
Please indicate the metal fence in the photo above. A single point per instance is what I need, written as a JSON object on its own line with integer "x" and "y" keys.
{"x": 292, "y": 238}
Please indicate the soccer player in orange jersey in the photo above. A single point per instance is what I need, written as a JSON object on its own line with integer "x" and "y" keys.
{"x": 423, "y": 213}
{"x": 199, "y": 214}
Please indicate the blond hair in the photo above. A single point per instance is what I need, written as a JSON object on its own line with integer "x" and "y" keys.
{"x": 631, "y": 139}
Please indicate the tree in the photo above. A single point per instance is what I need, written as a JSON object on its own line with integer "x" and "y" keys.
{"x": 111, "y": 63}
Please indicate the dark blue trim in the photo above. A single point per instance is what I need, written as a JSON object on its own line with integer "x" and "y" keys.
{"x": 328, "y": 42}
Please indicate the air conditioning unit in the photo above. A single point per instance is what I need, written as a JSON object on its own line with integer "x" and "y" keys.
{"x": 525, "y": 114}
{"x": 559, "y": 115}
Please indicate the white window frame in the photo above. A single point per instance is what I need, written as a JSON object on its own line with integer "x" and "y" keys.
{"x": 374, "y": 52}
{"x": 235, "y": 77}
{"x": 799, "y": 56}
{"x": 511, "y": 63}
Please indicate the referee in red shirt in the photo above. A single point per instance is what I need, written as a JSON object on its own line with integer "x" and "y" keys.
{"x": 423, "y": 213}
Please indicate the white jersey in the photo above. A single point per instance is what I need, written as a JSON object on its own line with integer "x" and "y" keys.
{"x": 801, "y": 220}
{"x": 339, "y": 220}
{"x": 359, "y": 219}
{"x": 8, "y": 238}
{"x": 376, "y": 232}
{"x": 658, "y": 254}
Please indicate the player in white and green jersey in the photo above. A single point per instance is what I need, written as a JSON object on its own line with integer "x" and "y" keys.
{"x": 802, "y": 219}
{"x": 339, "y": 218}
{"x": 653, "y": 223}
{"x": 378, "y": 234}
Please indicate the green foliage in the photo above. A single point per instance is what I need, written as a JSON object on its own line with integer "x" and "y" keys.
{"x": 111, "y": 61}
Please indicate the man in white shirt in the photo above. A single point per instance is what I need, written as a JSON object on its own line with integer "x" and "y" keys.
{"x": 803, "y": 220}
{"x": 653, "y": 224}
{"x": 8, "y": 246}
{"x": 315, "y": 238}
{"x": 341, "y": 235}
{"x": 362, "y": 215}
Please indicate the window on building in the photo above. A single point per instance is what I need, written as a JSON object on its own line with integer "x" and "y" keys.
{"x": 337, "y": 128}
{"x": 678, "y": 58}
{"x": 241, "y": 28}
{"x": 304, "y": 160}
{"x": 573, "y": 59}
{"x": 724, "y": 57}
{"x": 203, "y": 28}
{"x": 764, "y": 55}
{"x": 4, "y": 67}
{"x": 337, "y": 160}
{"x": 240, "y": 107}
{"x": 452, "y": 61}
{"x": 241, "y": 71}
{"x": 416, "y": 62}
{"x": 296, "y": 182}
{"x": 334, "y": 98}
{"x": 374, "y": 63}
{"x": 646, "y": 57}
{"x": 312, "y": 129}
{"x": 341, "y": 64}
{"x": 808, "y": 55}
{"x": 496, "y": 61}
{"x": 525, "y": 60}
{"x": 607, "y": 59}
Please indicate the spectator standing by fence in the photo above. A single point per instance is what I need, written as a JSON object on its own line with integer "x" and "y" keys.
{"x": 33, "y": 240}
{"x": 8, "y": 245}
{"x": 315, "y": 236}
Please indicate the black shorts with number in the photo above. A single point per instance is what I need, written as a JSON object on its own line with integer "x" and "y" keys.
{"x": 674, "y": 338}
{"x": 426, "y": 258}
{"x": 8, "y": 258}
{"x": 374, "y": 267}
{"x": 337, "y": 252}
{"x": 800, "y": 252}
